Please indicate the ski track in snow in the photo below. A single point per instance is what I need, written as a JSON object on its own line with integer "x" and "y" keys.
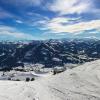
{"x": 81, "y": 83}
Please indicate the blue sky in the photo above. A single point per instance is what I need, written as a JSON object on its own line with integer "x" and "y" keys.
{"x": 49, "y": 19}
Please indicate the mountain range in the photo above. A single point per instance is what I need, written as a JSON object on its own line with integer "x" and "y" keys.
{"x": 50, "y": 53}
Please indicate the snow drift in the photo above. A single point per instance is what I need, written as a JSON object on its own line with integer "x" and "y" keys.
{"x": 81, "y": 83}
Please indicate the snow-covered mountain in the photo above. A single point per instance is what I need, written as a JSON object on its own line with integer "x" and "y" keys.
{"x": 80, "y": 83}
{"x": 44, "y": 52}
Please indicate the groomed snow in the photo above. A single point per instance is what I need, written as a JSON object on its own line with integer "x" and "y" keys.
{"x": 81, "y": 83}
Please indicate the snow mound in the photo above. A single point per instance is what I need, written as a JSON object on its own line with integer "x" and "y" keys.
{"x": 81, "y": 83}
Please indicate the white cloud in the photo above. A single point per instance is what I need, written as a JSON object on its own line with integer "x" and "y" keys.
{"x": 19, "y": 21}
{"x": 55, "y": 26}
{"x": 70, "y": 6}
{"x": 13, "y": 33}
{"x": 59, "y": 20}
{"x": 61, "y": 34}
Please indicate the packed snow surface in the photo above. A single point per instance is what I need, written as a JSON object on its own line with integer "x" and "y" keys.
{"x": 81, "y": 83}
